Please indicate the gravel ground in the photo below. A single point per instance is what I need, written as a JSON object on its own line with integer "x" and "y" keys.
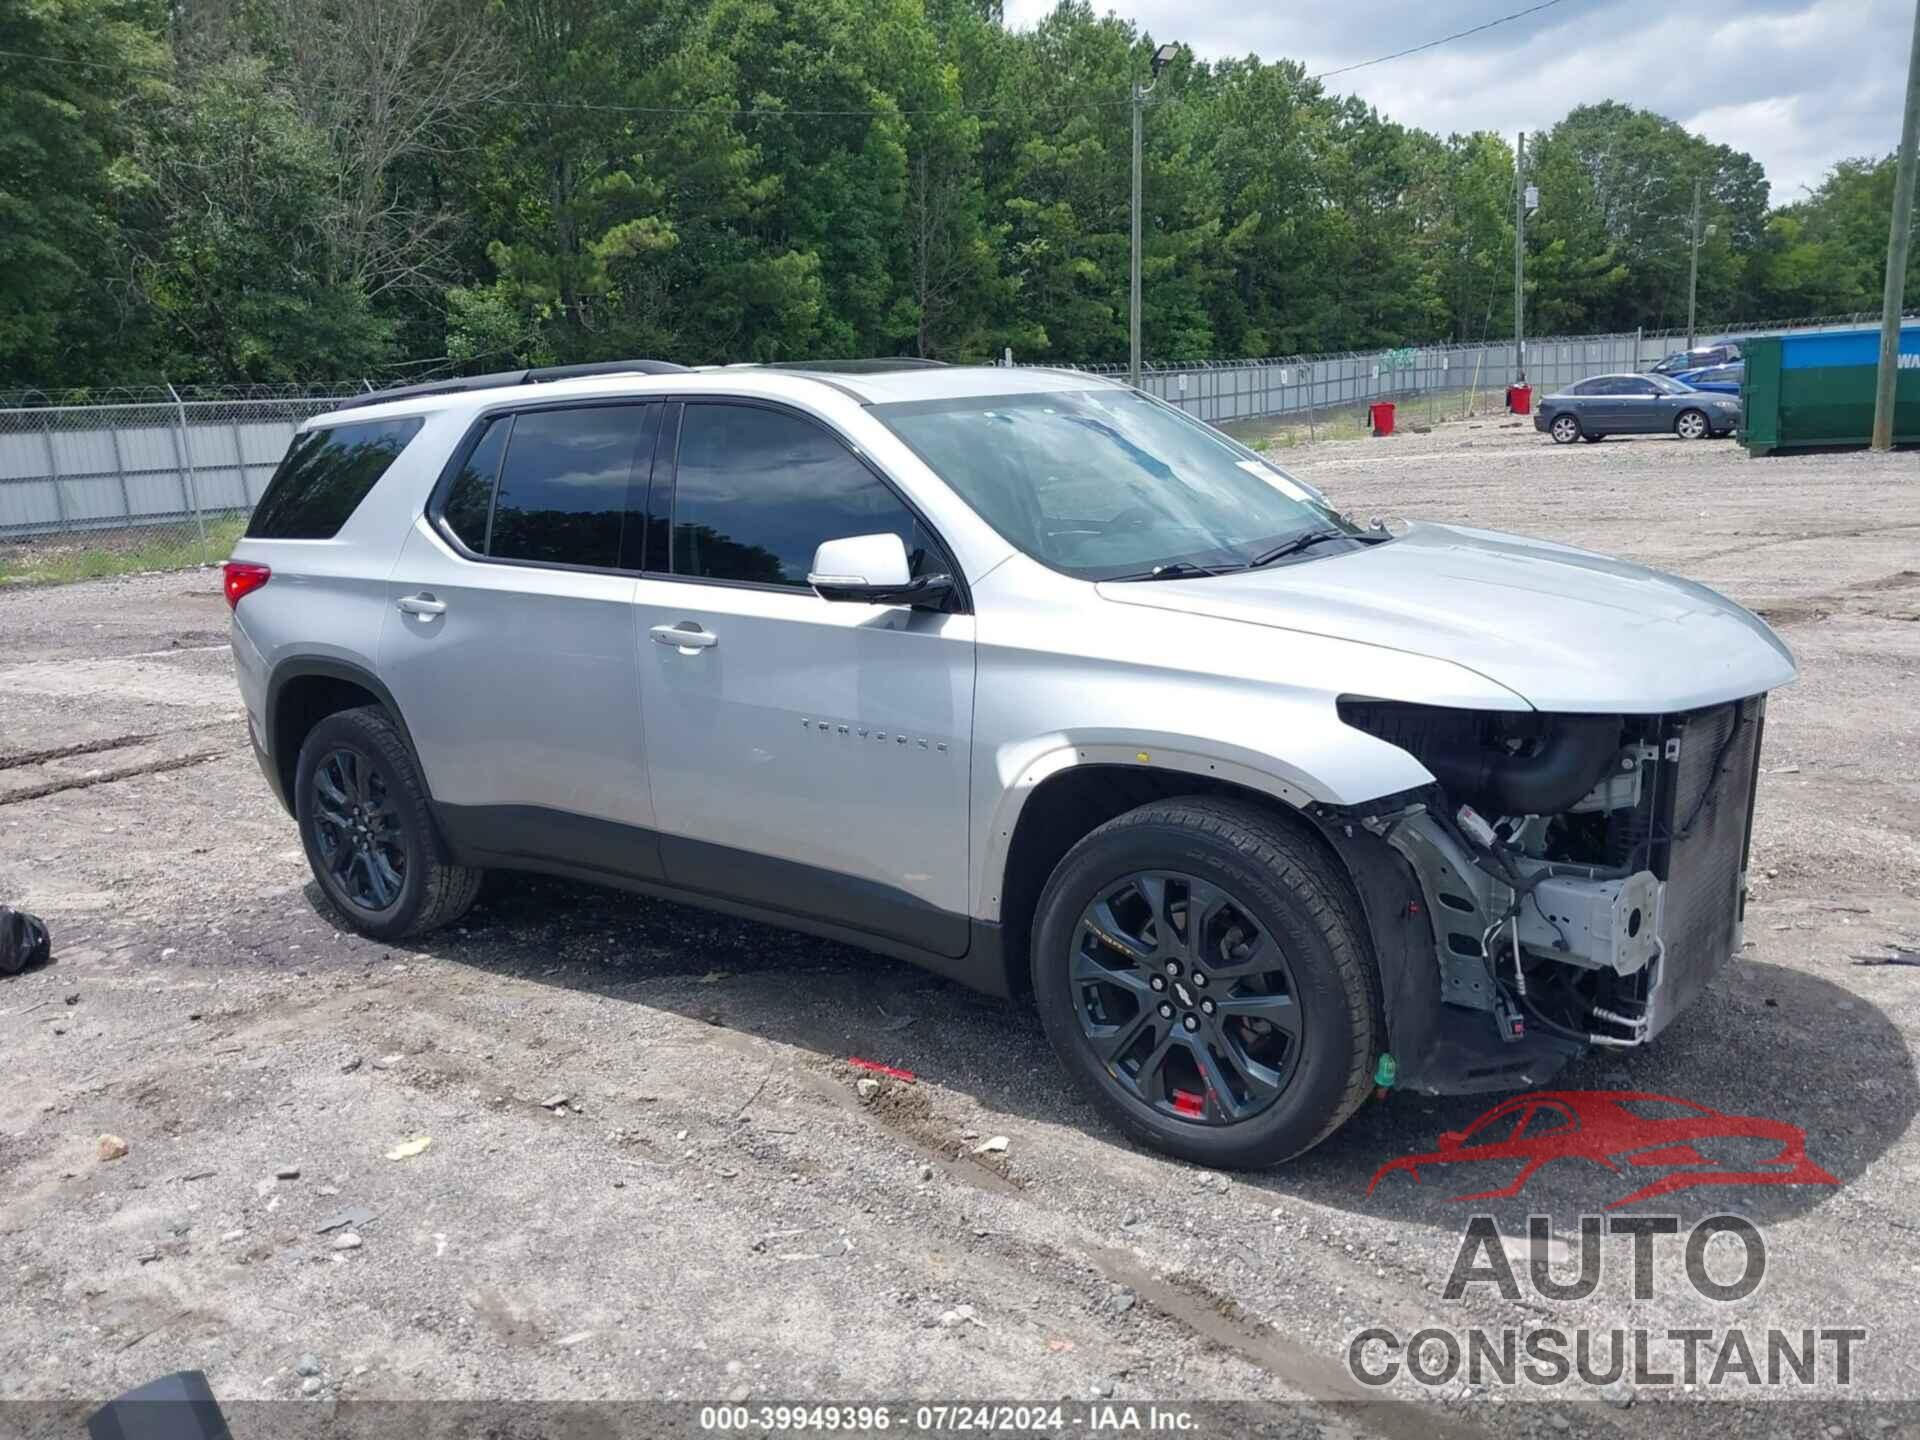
{"x": 652, "y": 1175}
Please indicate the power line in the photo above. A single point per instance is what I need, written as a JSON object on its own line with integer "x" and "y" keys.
{"x": 1443, "y": 40}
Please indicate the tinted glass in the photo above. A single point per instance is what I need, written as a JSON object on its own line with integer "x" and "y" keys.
{"x": 471, "y": 499}
{"x": 1591, "y": 387}
{"x": 324, "y": 477}
{"x": 758, "y": 490}
{"x": 563, "y": 488}
{"x": 1105, "y": 483}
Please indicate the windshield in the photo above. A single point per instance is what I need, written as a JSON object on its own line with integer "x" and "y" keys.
{"x": 1105, "y": 484}
{"x": 1668, "y": 386}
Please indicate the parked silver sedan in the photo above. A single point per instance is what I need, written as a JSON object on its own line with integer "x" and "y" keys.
{"x": 1604, "y": 405}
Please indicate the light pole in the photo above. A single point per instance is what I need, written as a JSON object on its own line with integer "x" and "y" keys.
{"x": 1162, "y": 58}
{"x": 1526, "y": 199}
{"x": 1693, "y": 264}
{"x": 1892, "y": 298}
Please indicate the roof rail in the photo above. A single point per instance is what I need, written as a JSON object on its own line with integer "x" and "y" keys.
{"x": 458, "y": 385}
{"x": 879, "y": 365}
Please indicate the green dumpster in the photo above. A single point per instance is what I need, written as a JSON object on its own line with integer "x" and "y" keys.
{"x": 1802, "y": 391}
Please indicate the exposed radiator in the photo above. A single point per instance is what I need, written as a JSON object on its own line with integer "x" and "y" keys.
{"x": 1702, "y": 830}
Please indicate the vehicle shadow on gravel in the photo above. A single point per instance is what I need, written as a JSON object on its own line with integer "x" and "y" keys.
{"x": 1765, "y": 1042}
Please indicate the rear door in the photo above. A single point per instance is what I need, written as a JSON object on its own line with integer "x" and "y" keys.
{"x": 804, "y": 755}
{"x": 509, "y": 642}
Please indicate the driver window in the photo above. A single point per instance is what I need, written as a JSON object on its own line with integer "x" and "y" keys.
{"x": 757, "y": 490}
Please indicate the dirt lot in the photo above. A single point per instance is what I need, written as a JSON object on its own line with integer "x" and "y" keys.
{"x": 714, "y": 1211}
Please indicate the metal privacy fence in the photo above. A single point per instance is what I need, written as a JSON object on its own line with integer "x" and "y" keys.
{"x": 157, "y": 478}
{"x": 139, "y": 480}
{"x": 1221, "y": 392}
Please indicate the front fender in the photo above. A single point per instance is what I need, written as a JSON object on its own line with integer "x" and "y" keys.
{"x": 1009, "y": 774}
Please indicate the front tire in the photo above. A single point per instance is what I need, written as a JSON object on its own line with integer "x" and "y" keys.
{"x": 368, "y": 830}
{"x": 1204, "y": 975}
{"x": 1691, "y": 425}
{"x": 1565, "y": 429}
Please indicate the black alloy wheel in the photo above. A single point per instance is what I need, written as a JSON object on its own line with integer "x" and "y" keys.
{"x": 1205, "y": 975}
{"x": 1186, "y": 997}
{"x": 366, "y": 821}
{"x": 359, "y": 831}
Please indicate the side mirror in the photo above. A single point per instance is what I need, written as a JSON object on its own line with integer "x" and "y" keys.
{"x": 872, "y": 570}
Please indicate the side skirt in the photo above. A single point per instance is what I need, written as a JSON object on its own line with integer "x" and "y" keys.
{"x": 839, "y": 907}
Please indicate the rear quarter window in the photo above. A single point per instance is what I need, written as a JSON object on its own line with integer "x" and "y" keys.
{"x": 325, "y": 475}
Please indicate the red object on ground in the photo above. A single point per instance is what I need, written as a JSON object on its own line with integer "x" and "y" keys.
{"x": 879, "y": 1069}
{"x": 1520, "y": 399}
{"x": 1695, "y": 1146}
{"x": 1380, "y": 416}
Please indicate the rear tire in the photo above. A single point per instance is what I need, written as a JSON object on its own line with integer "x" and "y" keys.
{"x": 1691, "y": 425}
{"x": 1565, "y": 429}
{"x": 1266, "y": 900}
{"x": 369, "y": 831}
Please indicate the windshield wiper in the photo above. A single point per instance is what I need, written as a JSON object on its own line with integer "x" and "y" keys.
{"x": 1175, "y": 570}
{"x": 1307, "y": 541}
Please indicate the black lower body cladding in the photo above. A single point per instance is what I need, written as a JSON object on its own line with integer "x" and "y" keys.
{"x": 1473, "y": 754}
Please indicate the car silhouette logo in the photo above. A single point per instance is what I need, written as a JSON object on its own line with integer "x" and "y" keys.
{"x": 1624, "y": 1131}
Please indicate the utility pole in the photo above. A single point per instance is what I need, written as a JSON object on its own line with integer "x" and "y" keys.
{"x": 1693, "y": 266}
{"x": 1162, "y": 57}
{"x": 1520, "y": 258}
{"x": 1133, "y": 261}
{"x": 1894, "y": 296}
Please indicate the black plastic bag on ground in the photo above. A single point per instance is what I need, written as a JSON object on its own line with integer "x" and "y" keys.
{"x": 24, "y": 942}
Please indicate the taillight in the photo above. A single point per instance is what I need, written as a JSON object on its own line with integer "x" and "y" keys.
{"x": 243, "y": 578}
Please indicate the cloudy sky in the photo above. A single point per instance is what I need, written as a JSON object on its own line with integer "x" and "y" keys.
{"x": 1797, "y": 84}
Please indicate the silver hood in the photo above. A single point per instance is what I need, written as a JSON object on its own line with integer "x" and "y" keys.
{"x": 1565, "y": 629}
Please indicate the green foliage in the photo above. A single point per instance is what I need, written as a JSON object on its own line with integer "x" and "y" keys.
{"x": 64, "y": 138}
{"x": 258, "y": 191}
{"x": 228, "y": 250}
{"x": 1828, "y": 251}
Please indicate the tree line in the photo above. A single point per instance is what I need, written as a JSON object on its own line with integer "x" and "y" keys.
{"x": 292, "y": 190}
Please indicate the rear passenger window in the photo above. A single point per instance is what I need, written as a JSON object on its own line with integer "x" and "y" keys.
{"x": 562, "y": 498}
{"x": 757, "y": 490}
{"x": 552, "y": 487}
{"x": 325, "y": 475}
{"x": 470, "y": 502}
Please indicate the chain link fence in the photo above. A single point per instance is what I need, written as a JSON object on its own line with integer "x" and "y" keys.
{"x": 115, "y": 481}
{"x": 138, "y": 480}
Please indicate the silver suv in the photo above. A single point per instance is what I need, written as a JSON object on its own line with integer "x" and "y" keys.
{"x": 1029, "y": 679}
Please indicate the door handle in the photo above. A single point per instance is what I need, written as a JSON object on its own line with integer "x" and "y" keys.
{"x": 423, "y": 605}
{"x": 687, "y": 636}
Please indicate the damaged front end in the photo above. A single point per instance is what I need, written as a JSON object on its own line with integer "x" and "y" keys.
{"x": 1581, "y": 879}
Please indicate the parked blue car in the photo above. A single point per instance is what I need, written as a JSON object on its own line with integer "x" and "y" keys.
{"x": 1698, "y": 358}
{"x": 1725, "y": 379}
